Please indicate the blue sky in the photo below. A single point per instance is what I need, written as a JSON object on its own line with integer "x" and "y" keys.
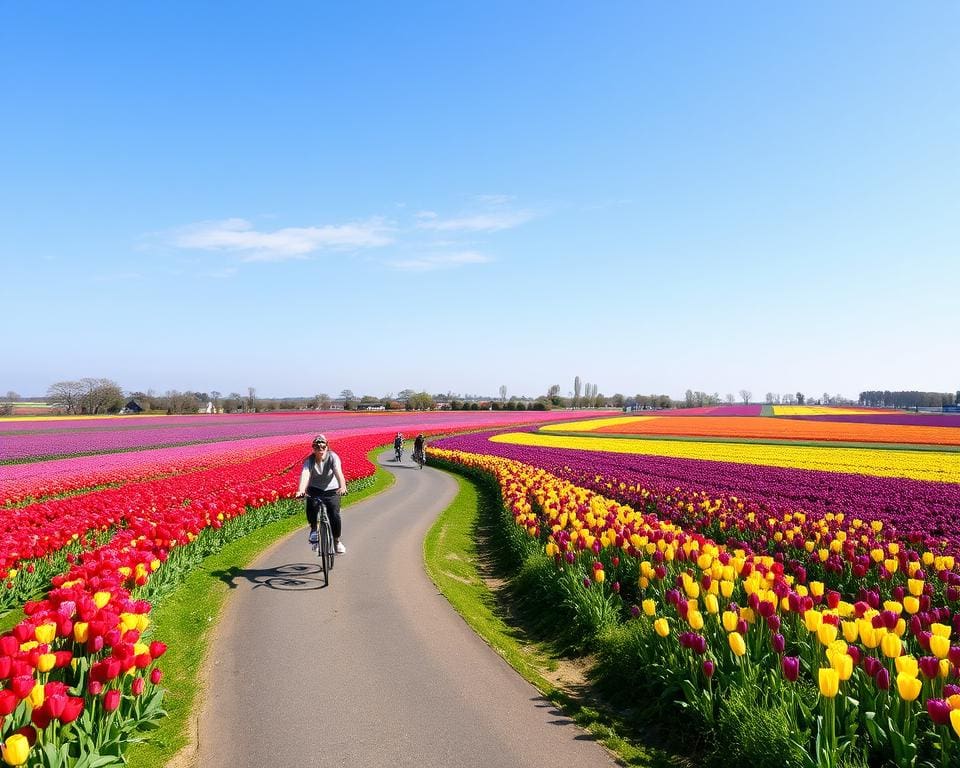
{"x": 308, "y": 197}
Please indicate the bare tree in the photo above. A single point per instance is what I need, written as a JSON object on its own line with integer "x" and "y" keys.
{"x": 745, "y": 395}
{"x": 65, "y": 396}
{"x": 729, "y": 398}
{"x": 215, "y": 398}
{"x": 252, "y": 399}
{"x": 503, "y": 392}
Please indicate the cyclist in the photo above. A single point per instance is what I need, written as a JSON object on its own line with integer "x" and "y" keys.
{"x": 418, "y": 446}
{"x": 322, "y": 481}
{"x": 398, "y": 446}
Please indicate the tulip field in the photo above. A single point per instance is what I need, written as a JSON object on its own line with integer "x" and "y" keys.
{"x": 102, "y": 517}
{"x": 786, "y": 581}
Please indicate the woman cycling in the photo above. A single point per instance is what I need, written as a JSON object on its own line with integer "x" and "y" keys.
{"x": 322, "y": 482}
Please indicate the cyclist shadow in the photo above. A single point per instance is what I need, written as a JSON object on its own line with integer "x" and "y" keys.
{"x": 292, "y": 577}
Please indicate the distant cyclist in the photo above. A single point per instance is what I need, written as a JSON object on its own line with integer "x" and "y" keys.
{"x": 398, "y": 446}
{"x": 419, "y": 444}
{"x": 322, "y": 482}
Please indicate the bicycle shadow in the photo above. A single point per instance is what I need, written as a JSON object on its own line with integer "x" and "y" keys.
{"x": 293, "y": 577}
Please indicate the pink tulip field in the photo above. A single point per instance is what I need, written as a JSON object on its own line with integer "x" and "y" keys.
{"x": 796, "y": 601}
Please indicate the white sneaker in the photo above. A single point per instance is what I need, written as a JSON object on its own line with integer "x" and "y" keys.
{"x": 341, "y": 550}
{"x": 313, "y": 538}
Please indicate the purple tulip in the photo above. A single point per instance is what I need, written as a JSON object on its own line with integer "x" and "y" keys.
{"x": 929, "y": 666}
{"x": 939, "y": 711}
{"x": 791, "y": 667}
{"x": 882, "y": 678}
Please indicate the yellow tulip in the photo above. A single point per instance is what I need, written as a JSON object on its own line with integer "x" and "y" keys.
{"x": 955, "y": 720}
{"x": 737, "y": 644}
{"x": 915, "y": 586}
{"x": 826, "y": 633}
{"x": 850, "y": 631}
{"x": 813, "y": 619}
{"x": 907, "y": 665}
{"x": 46, "y": 662}
{"x": 937, "y": 629}
{"x": 662, "y": 627}
{"x": 891, "y": 645}
{"x": 843, "y": 663}
{"x": 45, "y": 633}
{"x": 15, "y": 749}
{"x": 939, "y": 646}
{"x": 909, "y": 687}
{"x": 954, "y": 701}
{"x": 695, "y": 620}
{"x": 81, "y": 631}
{"x": 101, "y": 599}
{"x": 713, "y": 605}
{"x": 829, "y": 682}
{"x": 730, "y": 620}
{"x": 911, "y": 604}
{"x": 599, "y": 576}
{"x": 36, "y": 696}
{"x": 650, "y": 607}
{"x": 816, "y": 588}
{"x": 726, "y": 588}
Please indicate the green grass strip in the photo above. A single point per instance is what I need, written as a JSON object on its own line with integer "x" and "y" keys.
{"x": 186, "y": 617}
{"x": 454, "y": 551}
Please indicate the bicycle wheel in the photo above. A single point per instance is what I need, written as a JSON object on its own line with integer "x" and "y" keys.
{"x": 329, "y": 551}
{"x": 324, "y": 545}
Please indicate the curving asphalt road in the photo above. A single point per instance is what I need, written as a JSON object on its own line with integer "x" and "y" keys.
{"x": 375, "y": 670}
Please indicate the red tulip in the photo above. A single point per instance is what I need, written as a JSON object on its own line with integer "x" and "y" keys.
{"x": 111, "y": 700}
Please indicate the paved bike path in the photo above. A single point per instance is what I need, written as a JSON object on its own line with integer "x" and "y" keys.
{"x": 375, "y": 670}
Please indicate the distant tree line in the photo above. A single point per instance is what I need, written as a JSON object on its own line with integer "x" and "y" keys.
{"x": 102, "y": 396}
{"x": 908, "y": 399}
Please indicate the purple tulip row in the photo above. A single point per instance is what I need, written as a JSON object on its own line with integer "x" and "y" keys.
{"x": 924, "y": 509}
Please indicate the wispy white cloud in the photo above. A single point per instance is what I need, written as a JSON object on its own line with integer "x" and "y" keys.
{"x": 487, "y": 221}
{"x": 240, "y": 236}
{"x": 439, "y": 261}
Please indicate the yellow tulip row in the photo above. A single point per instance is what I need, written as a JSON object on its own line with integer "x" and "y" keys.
{"x": 936, "y": 466}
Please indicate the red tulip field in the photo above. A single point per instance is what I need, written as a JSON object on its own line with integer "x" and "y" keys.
{"x": 787, "y": 586}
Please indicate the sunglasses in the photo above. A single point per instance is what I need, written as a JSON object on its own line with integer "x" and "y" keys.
{"x": 319, "y": 445}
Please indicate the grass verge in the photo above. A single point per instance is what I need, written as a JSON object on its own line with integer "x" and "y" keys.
{"x": 459, "y": 551}
{"x": 185, "y": 618}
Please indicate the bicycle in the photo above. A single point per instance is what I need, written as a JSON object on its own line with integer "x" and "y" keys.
{"x": 398, "y": 453}
{"x": 326, "y": 550}
{"x": 419, "y": 458}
